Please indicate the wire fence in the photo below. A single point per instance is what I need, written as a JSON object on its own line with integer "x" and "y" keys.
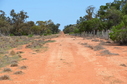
{"x": 99, "y": 34}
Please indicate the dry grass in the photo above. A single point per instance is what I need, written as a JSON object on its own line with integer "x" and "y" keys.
{"x": 12, "y": 53}
{"x": 89, "y": 46}
{"x": 7, "y": 43}
{"x": 5, "y": 77}
{"x": 7, "y": 60}
{"x": 14, "y": 61}
{"x": 98, "y": 47}
{"x": 37, "y": 44}
{"x": 124, "y": 65}
{"x": 14, "y": 65}
{"x": 107, "y": 52}
{"x": 7, "y": 70}
{"x": 19, "y": 52}
{"x": 23, "y": 67}
{"x": 83, "y": 43}
{"x": 3, "y": 52}
{"x": 24, "y": 58}
{"x": 18, "y": 72}
{"x": 95, "y": 48}
{"x": 95, "y": 40}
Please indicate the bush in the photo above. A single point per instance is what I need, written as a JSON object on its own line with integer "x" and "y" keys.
{"x": 119, "y": 33}
{"x": 23, "y": 67}
{"x": 5, "y": 77}
{"x": 11, "y": 35}
{"x": 7, "y": 70}
{"x": 14, "y": 65}
{"x": 18, "y": 72}
{"x": 30, "y": 35}
{"x": 71, "y": 33}
{"x": 45, "y": 34}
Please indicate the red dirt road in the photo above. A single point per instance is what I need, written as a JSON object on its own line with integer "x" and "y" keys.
{"x": 66, "y": 61}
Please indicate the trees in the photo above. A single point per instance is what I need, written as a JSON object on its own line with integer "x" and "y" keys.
{"x": 108, "y": 15}
{"x": 42, "y": 25}
{"x": 69, "y": 28}
{"x": 48, "y": 27}
{"x": 119, "y": 32}
{"x": 5, "y": 27}
{"x": 2, "y": 15}
{"x": 16, "y": 24}
{"x": 81, "y": 19}
{"x": 16, "y": 20}
{"x": 55, "y": 28}
{"x": 111, "y": 16}
{"x": 124, "y": 8}
{"x": 35, "y": 30}
{"x": 90, "y": 12}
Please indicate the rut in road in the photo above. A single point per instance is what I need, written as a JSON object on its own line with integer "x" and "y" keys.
{"x": 66, "y": 65}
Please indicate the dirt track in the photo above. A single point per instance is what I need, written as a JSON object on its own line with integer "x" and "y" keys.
{"x": 68, "y": 62}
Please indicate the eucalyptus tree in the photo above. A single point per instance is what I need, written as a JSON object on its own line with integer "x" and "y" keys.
{"x": 17, "y": 19}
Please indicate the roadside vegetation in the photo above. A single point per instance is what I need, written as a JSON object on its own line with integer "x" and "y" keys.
{"x": 16, "y": 25}
{"x": 10, "y": 58}
{"x": 16, "y": 31}
{"x": 111, "y": 16}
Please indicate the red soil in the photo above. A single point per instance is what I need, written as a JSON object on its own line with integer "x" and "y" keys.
{"x": 66, "y": 61}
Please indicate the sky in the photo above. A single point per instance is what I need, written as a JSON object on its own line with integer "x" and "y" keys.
{"x": 64, "y": 12}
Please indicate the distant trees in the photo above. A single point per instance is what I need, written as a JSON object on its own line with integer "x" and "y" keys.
{"x": 90, "y": 12}
{"x": 16, "y": 24}
{"x": 5, "y": 26}
{"x": 111, "y": 16}
{"x": 69, "y": 28}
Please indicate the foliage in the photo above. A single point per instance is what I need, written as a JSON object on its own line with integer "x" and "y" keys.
{"x": 17, "y": 25}
{"x": 111, "y": 16}
{"x": 90, "y": 12}
{"x": 11, "y": 35}
{"x": 69, "y": 28}
{"x": 119, "y": 33}
{"x": 30, "y": 35}
{"x": 76, "y": 30}
{"x": 71, "y": 33}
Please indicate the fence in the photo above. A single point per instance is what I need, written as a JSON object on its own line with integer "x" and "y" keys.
{"x": 99, "y": 34}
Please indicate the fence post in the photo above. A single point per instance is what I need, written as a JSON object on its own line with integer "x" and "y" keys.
{"x": 108, "y": 34}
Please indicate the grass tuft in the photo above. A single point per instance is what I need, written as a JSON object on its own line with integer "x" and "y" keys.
{"x": 14, "y": 65}
{"x": 5, "y": 77}
{"x": 23, "y": 67}
{"x": 7, "y": 70}
{"x": 12, "y": 52}
{"x": 124, "y": 65}
{"x": 107, "y": 52}
{"x": 18, "y": 72}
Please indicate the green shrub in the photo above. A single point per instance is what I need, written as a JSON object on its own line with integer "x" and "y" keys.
{"x": 30, "y": 35}
{"x": 119, "y": 33}
{"x": 11, "y": 35}
{"x": 71, "y": 33}
{"x": 76, "y": 30}
{"x": 46, "y": 34}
